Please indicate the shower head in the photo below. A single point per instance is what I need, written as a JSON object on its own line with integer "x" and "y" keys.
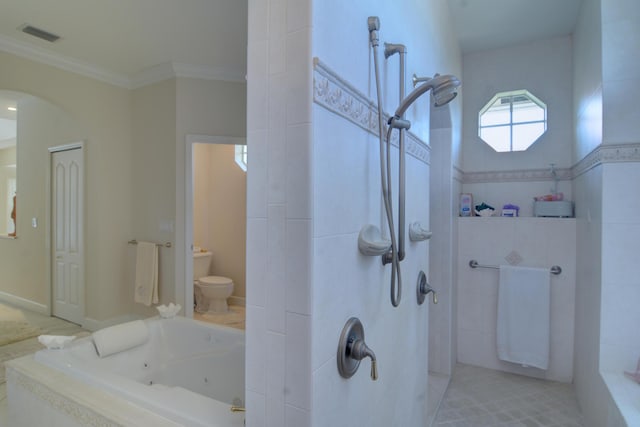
{"x": 443, "y": 89}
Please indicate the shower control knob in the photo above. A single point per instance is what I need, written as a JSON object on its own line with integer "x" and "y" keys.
{"x": 352, "y": 349}
{"x": 423, "y": 289}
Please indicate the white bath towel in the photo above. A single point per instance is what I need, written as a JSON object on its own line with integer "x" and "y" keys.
{"x": 146, "y": 291}
{"x": 124, "y": 336}
{"x": 524, "y": 298}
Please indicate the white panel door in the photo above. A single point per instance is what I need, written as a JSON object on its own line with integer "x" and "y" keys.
{"x": 67, "y": 234}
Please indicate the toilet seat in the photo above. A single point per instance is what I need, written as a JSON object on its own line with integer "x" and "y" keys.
{"x": 215, "y": 281}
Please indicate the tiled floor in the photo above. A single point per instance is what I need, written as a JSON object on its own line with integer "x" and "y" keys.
{"x": 435, "y": 393}
{"x": 235, "y": 318}
{"x": 479, "y": 397}
{"x": 49, "y": 325}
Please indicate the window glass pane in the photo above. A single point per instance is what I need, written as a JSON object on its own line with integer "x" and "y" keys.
{"x": 241, "y": 156}
{"x": 497, "y": 137}
{"x": 525, "y": 135}
{"x": 512, "y": 121}
{"x": 496, "y": 116}
{"x": 527, "y": 112}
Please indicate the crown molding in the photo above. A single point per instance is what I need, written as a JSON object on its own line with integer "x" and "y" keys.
{"x": 148, "y": 76}
{"x": 169, "y": 70}
{"x": 194, "y": 71}
{"x": 65, "y": 63}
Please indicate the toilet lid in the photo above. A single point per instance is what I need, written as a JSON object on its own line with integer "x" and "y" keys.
{"x": 215, "y": 280}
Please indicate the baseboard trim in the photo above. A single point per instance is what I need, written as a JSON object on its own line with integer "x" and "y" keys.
{"x": 94, "y": 325}
{"x": 241, "y": 301}
{"x": 25, "y": 303}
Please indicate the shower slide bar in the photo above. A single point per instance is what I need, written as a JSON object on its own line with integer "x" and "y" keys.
{"x": 555, "y": 269}
{"x": 160, "y": 245}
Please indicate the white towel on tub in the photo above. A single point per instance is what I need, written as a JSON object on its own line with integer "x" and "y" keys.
{"x": 124, "y": 336}
{"x": 146, "y": 285}
{"x": 523, "y": 316}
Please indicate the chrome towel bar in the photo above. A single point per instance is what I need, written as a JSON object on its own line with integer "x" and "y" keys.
{"x": 160, "y": 245}
{"x": 555, "y": 269}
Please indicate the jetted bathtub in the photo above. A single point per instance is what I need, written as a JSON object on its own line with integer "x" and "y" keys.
{"x": 188, "y": 371}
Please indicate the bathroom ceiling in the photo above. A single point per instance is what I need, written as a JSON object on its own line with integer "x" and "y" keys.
{"x": 491, "y": 24}
{"x": 127, "y": 37}
{"x": 121, "y": 40}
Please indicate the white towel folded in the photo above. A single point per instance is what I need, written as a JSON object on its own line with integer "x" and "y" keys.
{"x": 55, "y": 342}
{"x": 146, "y": 291}
{"x": 124, "y": 336}
{"x": 523, "y": 316}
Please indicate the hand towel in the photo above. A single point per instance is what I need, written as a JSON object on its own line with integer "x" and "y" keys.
{"x": 124, "y": 336}
{"x": 524, "y": 299}
{"x": 146, "y": 291}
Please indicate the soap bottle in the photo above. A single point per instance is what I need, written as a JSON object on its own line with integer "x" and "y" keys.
{"x": 466, "y": 204}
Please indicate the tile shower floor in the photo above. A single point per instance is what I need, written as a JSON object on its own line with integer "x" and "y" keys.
{"x": 479, "y": 397}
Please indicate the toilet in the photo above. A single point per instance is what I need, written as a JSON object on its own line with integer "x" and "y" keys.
{"x": 211, "y": 292}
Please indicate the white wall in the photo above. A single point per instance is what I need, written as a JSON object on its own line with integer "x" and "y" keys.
{"x": 541, "y": 242}
{"x": 605, "y": 90}
{"x": 620, "y": 348}
{"x": 164, "y": 114}
{"x": 219, "y": 211}
{"x": 590, "y": 390}
{"x": 443, "y": 190}
{"x": 347, "y": 196}
{"x": 587, "y": 96}
{"x": 7, "y": 158}
{"x": 307, "y": 203}
{"x": 278, "y": 364}
{"x": 544, "y": 68}
{"x": 203, "y": 107}
{"x": 135, "y": 145}
{"x": 154, "y": 170}
{"x": 100, "y": 115}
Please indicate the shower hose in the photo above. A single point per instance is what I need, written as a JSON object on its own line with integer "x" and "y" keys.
{"x": 385, "y": 180}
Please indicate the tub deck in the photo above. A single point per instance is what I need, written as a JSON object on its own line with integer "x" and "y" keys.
{"x": 171, "y": 380}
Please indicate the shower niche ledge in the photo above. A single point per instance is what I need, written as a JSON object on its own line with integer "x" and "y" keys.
{"x": 553, "y": 209}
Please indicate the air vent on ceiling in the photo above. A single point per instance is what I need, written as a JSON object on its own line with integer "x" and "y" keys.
{"x": 39, "y": 33}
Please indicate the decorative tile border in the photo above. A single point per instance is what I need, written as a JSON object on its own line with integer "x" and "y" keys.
{"x": 607, "y": 154}
{"x": 563, "y": 174}
{"x": 338, "y": 96}
{"x": 458, "y": 174}
{"x": 602, "y": 154}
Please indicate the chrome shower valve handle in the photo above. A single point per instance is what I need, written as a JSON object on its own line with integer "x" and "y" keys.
{"x": 424, "y": 289}
{"x": 352, "y": 349}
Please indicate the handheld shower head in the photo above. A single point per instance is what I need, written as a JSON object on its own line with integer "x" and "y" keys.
{"x": 443, "y": 89}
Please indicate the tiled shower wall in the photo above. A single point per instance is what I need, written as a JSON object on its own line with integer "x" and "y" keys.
{"x": 311, "y": 186}
{"x": 540, "y": 242}
{"x": 279, "y": 200}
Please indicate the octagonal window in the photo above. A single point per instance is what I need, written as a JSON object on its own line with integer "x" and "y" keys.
{"x": 512, "y": 121}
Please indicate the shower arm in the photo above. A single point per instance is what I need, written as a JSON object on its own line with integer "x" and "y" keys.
{"x": 389, "y": 50}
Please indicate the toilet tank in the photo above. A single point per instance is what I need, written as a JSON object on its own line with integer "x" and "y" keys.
{"x": 201, "y": 263}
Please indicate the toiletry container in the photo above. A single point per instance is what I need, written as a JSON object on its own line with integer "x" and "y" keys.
{"x": 466, "y": 204}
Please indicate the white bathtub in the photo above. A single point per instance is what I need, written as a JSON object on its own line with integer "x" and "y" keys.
{"x": 190, "y": 372}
